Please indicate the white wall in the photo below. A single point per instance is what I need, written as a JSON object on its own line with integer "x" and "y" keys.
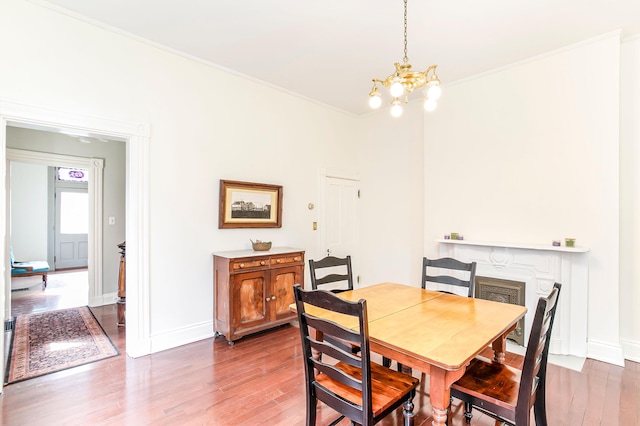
{"x": 206, "y": 125}
{"x": 29, "y": 196}
{"x": 630, "y": 198}
{"x": 391, "y": 167}
{"x": 529, "y": 154}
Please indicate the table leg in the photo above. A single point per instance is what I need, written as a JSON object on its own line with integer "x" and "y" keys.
{"x": 440, "y": 381}
{"x": 318, "y": 335}
{"x": 500, "y": 346}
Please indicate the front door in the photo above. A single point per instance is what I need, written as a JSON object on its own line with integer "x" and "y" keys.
{"x": 71, "y": 240}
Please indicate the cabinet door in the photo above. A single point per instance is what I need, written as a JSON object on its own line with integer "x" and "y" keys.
{"x": 249, "y": 300}
{"x": 282, "y": 282}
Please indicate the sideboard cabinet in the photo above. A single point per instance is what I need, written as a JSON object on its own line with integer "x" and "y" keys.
{"x": 253, "y": 290}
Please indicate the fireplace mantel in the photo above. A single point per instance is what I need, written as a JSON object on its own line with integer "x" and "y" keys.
{"x": 577, "y": 249}
{"x": 539, "y": 267}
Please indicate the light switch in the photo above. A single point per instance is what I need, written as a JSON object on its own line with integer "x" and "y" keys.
{"x": 112, "y": 220}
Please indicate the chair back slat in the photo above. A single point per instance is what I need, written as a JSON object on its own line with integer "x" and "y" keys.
{"x": 535, "y": 359}
{"x": 451, "y": 266}
{"x": 333, "y": 272}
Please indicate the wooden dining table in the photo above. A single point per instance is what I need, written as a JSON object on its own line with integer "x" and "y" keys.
{"x": 434, "y": 332}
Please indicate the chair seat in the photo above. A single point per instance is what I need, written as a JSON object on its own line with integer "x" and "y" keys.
{"x": 19, "y": 268}
{"x": 493, "y": 382}
{"x": 386, "y": 386}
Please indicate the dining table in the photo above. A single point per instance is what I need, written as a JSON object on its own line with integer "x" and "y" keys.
{"x": 434, "y": 332}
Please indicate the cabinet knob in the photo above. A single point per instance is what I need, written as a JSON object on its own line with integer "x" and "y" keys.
{"x": 273, "y": 298}
{"x": 268, "y": 299}
{"x": 297, "y": 259}
{"x": 242, "y": 265}
{"x": 263, "y": 263}
{"x": 279, "y": 260}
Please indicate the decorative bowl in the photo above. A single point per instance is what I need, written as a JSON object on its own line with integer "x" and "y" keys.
{"x": 261, "y": 245}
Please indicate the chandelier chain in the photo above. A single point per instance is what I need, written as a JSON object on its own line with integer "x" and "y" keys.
{"x": 406, "y": 58}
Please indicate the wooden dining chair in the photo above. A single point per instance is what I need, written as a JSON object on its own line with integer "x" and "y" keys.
{"x": 449, "y": 266}
{"x": 506, "y": 393}
{"x": 352, "y": 385}
{"x": 332, "y": 273}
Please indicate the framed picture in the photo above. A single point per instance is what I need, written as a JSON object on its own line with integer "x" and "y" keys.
{"x": 249, "y": 205}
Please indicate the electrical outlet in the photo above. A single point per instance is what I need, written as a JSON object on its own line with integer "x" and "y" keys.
{"x": 112, "y": 220}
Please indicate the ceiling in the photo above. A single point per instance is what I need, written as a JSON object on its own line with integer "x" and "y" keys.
{"x": 329, "y": 50}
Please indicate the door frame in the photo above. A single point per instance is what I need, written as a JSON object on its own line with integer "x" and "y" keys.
{"x": 136, "y": 136}
{"x": 95, "y": 167}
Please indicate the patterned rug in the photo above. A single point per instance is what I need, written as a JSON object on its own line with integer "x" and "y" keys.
{"x": 47, "y": 342}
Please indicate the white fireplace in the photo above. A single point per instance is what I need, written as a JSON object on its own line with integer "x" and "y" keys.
{"x": 539, "y": 267}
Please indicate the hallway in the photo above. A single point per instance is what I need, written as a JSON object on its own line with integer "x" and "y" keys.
{"x": 65, "y": 289}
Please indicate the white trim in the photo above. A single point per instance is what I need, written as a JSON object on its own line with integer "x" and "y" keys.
{"x": 616, "y": 33}
{"x": 139, "y": 39}
{"x": 136, "y": 136}
{"x": 182, "y": 336}
{"x": 605, "y": 352}
{"x": 95, "y": 166}
{"x": 631, "y": 349}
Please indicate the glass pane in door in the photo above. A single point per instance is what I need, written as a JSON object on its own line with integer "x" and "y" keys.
{"x": 74, "y": 213}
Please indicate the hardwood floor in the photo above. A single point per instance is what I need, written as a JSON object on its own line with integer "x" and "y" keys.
{"x": 259, "y": 381}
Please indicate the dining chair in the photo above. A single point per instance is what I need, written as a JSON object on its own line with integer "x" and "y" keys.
{"x": 447, "y": 265}
{"x": 330, "y": 271}
{"x": 352, "y": 385}
{"x": 506, "y": 393}
{"x": 333, "y": 273}
{"x": 450, "y": 267}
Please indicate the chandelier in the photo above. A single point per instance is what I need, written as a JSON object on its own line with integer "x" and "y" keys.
{"x": 404, "y": 81}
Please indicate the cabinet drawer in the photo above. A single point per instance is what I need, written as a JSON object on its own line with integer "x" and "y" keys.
{"x": 249, "y": 263}
{"x": 286, "y": 259}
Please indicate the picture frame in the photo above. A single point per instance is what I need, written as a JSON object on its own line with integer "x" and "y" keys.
{"x": 249, "y": 205}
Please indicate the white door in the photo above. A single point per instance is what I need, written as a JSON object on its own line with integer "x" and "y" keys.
{"x": 71, "y": 228}
{"x": 340, "y": 236}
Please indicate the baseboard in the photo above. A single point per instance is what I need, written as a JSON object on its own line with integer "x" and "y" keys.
{"x": 181, "y": 336}
{"x": 631, "y": 350}
{"x": 605, "y": 352}
{"x": 105, "y": 299}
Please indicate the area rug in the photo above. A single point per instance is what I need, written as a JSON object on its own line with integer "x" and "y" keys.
{"x": 48, "y": 342}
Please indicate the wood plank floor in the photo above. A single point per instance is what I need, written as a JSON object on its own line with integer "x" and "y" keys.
{"x": 259, "y": 381}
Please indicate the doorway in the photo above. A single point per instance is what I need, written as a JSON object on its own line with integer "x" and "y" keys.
{"x": 136, "y": 137}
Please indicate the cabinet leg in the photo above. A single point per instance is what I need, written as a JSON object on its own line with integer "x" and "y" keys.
{"x": 121, "y": 311}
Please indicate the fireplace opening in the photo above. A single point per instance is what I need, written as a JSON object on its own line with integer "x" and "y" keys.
{"x": 504, "y": 291}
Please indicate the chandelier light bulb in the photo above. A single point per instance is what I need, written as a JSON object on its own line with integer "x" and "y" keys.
{"x": 375, "y": 102}
{"x": 396, "y": 109}
{"x": 396, "y": 89}
{"x": 430, "y": 104}
{"x": 434, "y": 92}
